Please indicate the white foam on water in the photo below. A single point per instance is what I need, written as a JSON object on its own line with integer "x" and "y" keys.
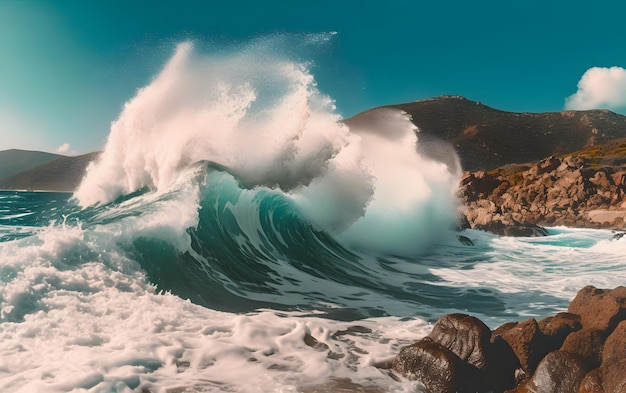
{"x": 539, "y": 276}
{"x": 99, "y": 326}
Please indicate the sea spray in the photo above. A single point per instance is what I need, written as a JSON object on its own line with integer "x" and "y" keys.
{"x": 207, "y": 109}
{"x": 414, "y": 199}
{"x": 263, "y": 120}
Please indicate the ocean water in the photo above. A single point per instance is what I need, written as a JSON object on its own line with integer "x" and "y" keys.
{"x": 236, "y": 236}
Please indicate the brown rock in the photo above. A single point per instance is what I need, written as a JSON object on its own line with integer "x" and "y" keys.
{"x": 614, "y": 377}
{"x": 519, "y": 374}
{"x": 503, "y": 366}
{"x": 600, "y": 309}
{"x": 548, "y": 165}
{"x": 526, "y": 340}
{"x": 478, "y": 185}
{"x": 470, "y": 339}
{"x": 587, "y": 343}
{"x": 557, "y": 328}
{"x": 438, "y": 368}
{"x": 614, "y": 361}
{"x": 615, "y": 344}
{"x": 498, "y": 227}
{"x": 519, "y": 389}
{"x": 558, "y": 372}
{"x": 602, "y": 180}
{"x": 592, "y": 383}
{"x": 467, "y": 336}
{"x": 503, "y": 328}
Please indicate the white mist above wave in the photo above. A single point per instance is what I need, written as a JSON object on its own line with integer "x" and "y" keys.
{"x": 263, "y": 118}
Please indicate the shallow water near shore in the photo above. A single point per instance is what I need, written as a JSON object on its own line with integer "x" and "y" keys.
{"x": 235, "y": 235}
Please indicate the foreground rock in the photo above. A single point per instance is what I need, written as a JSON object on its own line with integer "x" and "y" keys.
{"x": 581, "y": 351}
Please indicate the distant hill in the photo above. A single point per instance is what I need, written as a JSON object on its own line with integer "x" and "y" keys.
{"x": 62, "y": 174}
{"x": 486, "y": 138}
{"x": 14, "y": 161}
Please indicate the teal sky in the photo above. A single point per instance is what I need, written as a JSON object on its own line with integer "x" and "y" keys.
{"x": 67, "y": 67}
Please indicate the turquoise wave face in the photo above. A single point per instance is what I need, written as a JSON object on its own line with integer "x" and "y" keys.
{"x": 21, "y": 213}
{"x": 254, "y": 248}
{"x": 250, "y": 249}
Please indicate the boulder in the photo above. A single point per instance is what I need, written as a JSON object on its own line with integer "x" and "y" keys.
{"x": 504, "y": 366}
{"x": 438, "y": 368}
{"x": 556, "y": 328}
{"x": 602, "y": 180}
{"x": 548, "y": 165}
{"x": 558, "y": 372}
{"x": 614, "y": 377}
{"x": 525, "y": 339}
{"x": 587, "y": 343}
{"x": 615, "y": 345}
{"x": 466, "y": 241}
{"x": 592, "y": 383}
{"x": 478, "y": 185}
{"x": 614, "y": 361}
{"x": 470, "y": 339}
{"x": 600, "y": 309}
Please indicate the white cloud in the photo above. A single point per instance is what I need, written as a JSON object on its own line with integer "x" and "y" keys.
{"x": 600, "y": 87}
{"x": 63, "y": 149}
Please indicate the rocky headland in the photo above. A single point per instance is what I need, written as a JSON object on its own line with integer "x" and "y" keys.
{"x": 572, "y": 190}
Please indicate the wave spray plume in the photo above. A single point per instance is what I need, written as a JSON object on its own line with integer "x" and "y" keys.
{"x": 262, "y": 120}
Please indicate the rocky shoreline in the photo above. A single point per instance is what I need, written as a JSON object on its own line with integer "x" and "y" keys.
{"x": 573, "y": 191}
{"x": 579, "y": 351}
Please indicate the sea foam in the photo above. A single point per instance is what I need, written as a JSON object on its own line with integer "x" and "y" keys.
{"x": 264, "y": 120}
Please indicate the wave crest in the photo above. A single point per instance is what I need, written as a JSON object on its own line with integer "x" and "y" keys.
{"x": 263, "y": 119}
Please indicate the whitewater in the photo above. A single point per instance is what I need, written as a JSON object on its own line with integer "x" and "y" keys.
{"x": 236, "y": 235}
